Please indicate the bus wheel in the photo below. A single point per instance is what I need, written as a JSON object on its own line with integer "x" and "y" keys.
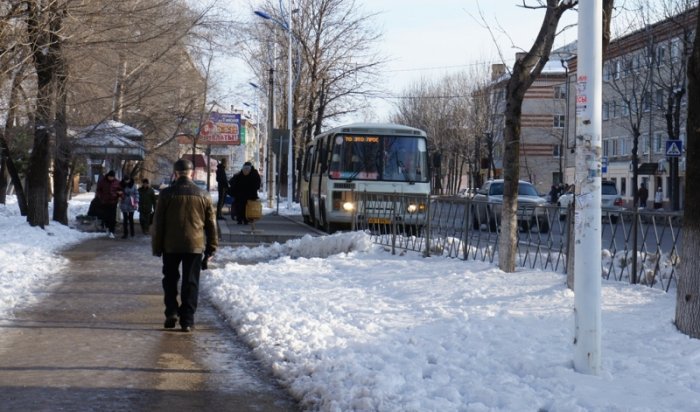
{"x": 307, "y": 220}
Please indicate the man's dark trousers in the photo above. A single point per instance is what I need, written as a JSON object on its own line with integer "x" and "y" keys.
{"x": 221, "y": 201}
{"x": 191, "y": 266}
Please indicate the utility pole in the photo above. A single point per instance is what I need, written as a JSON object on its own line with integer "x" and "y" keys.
{"x": 587, "y": 226}
{"x": 270, "y": 169}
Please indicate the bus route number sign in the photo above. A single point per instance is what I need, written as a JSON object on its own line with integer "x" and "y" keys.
{"x": 362, "y": 139}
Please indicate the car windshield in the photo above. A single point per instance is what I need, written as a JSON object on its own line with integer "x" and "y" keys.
{"x": 524, "y": 189}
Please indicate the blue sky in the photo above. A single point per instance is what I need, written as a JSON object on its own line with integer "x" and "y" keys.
{"x": 432, "y": 38}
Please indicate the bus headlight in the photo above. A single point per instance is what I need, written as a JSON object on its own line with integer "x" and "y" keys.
{"x": 415, "y": 207}
{"x": 348, "y": 206}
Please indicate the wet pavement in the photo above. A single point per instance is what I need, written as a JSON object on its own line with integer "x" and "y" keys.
{"x": 96, "y": 341}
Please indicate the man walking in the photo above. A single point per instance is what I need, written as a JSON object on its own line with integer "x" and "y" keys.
{"x": 222, "y": 184}
{"x": 184, "y": 228}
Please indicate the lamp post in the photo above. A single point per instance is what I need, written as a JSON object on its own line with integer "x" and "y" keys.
{"x": 290, "y": 154}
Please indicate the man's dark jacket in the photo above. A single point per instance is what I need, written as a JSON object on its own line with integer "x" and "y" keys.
{"x": 184, "y": 221}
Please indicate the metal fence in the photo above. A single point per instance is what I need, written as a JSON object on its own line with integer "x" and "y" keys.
{"x": 462, "y": 228}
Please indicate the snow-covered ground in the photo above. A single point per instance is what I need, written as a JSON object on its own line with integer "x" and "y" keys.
{"x": 347, "y": 326}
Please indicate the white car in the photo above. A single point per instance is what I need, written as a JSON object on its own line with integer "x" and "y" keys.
{"x": 611, "y": 202}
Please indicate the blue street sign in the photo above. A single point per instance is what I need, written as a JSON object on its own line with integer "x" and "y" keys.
{"x": 605, "y": 164}
{"x": 674, "y": 148}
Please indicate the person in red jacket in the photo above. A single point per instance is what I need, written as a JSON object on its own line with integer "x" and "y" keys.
{"x": 108, "y": 193}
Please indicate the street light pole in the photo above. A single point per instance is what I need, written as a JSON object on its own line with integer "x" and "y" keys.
{"x": 290, "y": 124}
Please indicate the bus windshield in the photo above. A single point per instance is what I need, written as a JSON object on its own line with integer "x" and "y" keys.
{"x": 392, "y": 158}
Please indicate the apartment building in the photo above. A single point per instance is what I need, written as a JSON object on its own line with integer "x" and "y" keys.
{"x": 644, "y": 108}
{"x": 543, "y": 154}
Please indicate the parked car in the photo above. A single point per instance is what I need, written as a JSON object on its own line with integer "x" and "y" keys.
{"x": 202, "y": 184}
{"x": 611, "y": 202}
{"x": 488, "y": 201}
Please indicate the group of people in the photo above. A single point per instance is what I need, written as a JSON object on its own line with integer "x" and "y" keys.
{"x": 184, "y": 232}
{"x": 242, "y": 187}
{"x": 643, "y": 196}
{"x": 111, "y": 194}
{"x": 558, "y": 190}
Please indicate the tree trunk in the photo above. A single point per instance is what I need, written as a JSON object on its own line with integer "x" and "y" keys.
{"x": 43, "y": 39}
{"x": 8, "y": 164}
{"x": 62, "y": 154}
{"x": 511, "y": 175}
{"x": 525, "y": 71}
{"x": 688, "y": 292}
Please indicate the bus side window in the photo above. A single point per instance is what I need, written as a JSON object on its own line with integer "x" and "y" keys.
{"x": 308, "y": 162}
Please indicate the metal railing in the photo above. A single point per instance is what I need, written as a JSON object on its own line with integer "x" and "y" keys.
{"x": 470, "y": 230}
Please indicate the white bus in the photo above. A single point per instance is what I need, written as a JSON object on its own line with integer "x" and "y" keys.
{"x": 349, "y": 163}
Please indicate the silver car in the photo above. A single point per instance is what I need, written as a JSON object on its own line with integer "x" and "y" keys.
{"x": 488, "y": 201}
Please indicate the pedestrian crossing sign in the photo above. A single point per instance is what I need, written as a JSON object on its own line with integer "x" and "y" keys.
{"x": 674, "y": 148}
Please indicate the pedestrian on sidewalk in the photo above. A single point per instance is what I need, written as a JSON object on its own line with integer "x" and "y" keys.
{"x": 658, "y": 198}
{"x": 128, "y": 204}
{"x": 147, "y": 204}
{"x": 222, "y": 185}
{"x": 184, "y": 229}
{"x": 643, "y": 195}
{"x": 108, "y": 192}
{"x": 244, "y": 186}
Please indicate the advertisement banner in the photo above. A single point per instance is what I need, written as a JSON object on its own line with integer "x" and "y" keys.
{"x": 221, "y": 129}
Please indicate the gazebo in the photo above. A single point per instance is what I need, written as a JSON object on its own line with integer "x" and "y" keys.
{"x": 107, "y": 144}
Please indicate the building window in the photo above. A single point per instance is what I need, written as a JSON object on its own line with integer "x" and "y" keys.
{"x": 623, "y": 146}
{"x": 560, "y": 92}
{"x": 623, "y": 186}
{"x": 556, "y": 178}
{"x": 556, "y": 150}
{"x": 624, "y": 108}
{"x": 606, "y": 147}
{"x": 606, "y": 110}
{"x": 658, "y": 142}
{"x": 660, "y": 97}
{"x": 660, "y": 55}
{"x": 559, "y": 121}
{"x": 613, "y": 109}
{"x": 643, "y": 144}
{"x": 613, "y": 146}
{"x": 646, "y": 101}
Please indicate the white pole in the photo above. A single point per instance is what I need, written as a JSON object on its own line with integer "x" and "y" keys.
{"x": 587, "y": 266}
{"x": 290, "y": 155}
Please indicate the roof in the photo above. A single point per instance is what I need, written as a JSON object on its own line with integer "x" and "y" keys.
{"x": 109, "y": 139}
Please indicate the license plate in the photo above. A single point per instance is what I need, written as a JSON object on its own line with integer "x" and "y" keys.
{"x": 378, "y": 221}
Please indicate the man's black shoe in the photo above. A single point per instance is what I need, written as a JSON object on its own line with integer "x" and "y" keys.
{"x": 170, "y": 322}
{"x": 187, "y": 328}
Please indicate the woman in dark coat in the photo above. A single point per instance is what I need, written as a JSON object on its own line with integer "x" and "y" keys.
{"x": 108, "y": 193}
{"x": 244, "y": 186}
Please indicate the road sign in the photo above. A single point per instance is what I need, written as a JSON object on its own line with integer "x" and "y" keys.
{"x": 674, "y": 148}
{"x": 604, "y": 164}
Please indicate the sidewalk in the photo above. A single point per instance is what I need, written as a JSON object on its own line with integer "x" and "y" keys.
{"x": 269, "y": 229}
{"x": 96, "y": 342}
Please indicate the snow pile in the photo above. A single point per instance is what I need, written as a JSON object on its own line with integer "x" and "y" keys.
{"x": 364, "y": 330}
{"x": 29, "y": 254}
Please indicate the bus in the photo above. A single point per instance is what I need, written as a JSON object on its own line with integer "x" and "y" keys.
{"x": 348, "y": 163}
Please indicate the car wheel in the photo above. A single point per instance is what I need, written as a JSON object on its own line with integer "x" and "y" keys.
{"x": 542, "y": 225}
{"x": 613, "y": 219}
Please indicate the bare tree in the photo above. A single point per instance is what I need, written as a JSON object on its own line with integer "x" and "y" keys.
{"x": 335, "y": 68}
{"x": 443, "y": 108}
{"x": 525, "y": 71}
{"x": 688, "y": 292}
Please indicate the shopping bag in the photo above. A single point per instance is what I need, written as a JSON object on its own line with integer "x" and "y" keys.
{"x": 253, "y": 209}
